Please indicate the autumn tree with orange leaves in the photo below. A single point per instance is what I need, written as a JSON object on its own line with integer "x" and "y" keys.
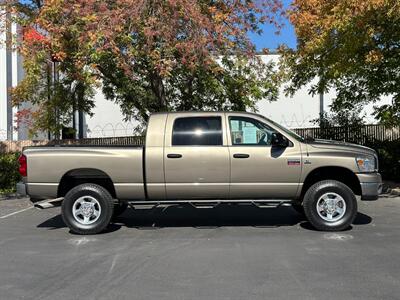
{"x": 148, "y": 56}
{"x": 351, "y": 46}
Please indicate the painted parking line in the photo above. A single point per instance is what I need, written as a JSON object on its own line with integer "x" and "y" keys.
{"x": 16, "y": 212}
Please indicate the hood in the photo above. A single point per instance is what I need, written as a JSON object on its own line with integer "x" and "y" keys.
{"x": 342, "y": 146}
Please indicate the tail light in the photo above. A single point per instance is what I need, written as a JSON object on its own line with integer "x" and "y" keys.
{"x": 23, "y": 166}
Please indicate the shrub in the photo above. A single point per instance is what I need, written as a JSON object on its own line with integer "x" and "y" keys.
{"x": 9, "y": 175}
{"x": 389, "y": 158}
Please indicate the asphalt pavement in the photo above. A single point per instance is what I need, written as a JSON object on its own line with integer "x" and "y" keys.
{"x": 230, "y": 252}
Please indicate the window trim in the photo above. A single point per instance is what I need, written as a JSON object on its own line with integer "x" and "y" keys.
{"x": 191, "y": 117}
{"x": 231, "y": 144}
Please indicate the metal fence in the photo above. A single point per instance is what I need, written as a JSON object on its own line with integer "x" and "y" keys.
{"x": 360, "y": 134}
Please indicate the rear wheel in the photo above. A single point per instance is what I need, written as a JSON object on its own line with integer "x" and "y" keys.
{"x": 87, "y": 209}
{"x": 330, "y": 205}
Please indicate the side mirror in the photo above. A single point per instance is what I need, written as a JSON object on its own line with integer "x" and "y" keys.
{"x": 278, "y": 140}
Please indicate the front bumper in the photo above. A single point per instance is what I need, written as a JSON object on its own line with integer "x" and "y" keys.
{"x": 371, "y": 185}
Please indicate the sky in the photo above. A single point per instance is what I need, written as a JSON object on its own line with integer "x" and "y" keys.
{"x": 268, "y": 39}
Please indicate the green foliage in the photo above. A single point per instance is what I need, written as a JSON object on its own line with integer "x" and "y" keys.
{"x": 148, "y": 56}
{"x": 389, "y": 158}
{"x": 231, "y": 84}
{"x": 345, "y": 118}
{"x": 9, "y": 175}
{"x": 351, "y": 47}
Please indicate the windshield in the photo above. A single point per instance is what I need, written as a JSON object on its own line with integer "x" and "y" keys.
{"x": 289, "y": 132}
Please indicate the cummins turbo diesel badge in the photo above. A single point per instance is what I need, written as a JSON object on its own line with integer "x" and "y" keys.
{"x": 293, "y": 162}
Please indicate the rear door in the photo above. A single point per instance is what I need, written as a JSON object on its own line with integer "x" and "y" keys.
{"x": 196, "y": 157}
{"x": 259, "y": 170}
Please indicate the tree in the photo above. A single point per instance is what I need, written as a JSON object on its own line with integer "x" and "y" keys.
{"x": 350, "y": 46}
{"x": 54, "y": 98}
{"x": 157, "y": 55}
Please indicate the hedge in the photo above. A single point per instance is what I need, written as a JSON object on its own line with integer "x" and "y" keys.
{"x": 389, "y": 158}
{"x": 9, "y": 175}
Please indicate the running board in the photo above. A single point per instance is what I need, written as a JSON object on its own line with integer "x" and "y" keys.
{"x": 49, "y": 203}
{"x": 213, "y": 203}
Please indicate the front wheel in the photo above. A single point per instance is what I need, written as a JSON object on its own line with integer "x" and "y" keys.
{"x": 87, "y": 208}
{"x": 330, "y": 205}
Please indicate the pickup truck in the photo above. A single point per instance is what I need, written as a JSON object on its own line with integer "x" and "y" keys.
{"x": 204, "y": 159}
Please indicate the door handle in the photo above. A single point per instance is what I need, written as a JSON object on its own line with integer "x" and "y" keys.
{"x": 241, "y": 155}
{"x": 174, "y": 155}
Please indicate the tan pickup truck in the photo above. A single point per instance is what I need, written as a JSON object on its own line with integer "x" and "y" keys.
{"x": 204, "y": 158}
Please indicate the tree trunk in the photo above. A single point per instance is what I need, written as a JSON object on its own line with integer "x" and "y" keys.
{"x": 158, "y": 89}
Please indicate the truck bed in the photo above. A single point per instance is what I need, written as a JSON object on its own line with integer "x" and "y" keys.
{"x": 48, "y": 166}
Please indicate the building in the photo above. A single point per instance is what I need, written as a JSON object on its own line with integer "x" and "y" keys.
{"x": 9, "y": 63}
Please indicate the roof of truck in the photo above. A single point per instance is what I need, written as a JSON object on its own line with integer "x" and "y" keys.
{"x": 203, "y": 112}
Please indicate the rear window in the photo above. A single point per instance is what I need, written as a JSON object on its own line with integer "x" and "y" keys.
{"x": 197, "y": 131}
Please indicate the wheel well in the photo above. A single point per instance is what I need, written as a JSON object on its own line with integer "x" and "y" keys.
{"x": 76, "y": 177}
{"x": 335, "y": 173}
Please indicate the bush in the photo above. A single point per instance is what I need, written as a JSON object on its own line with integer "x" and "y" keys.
{"x": 389, "y": 158}
{"x": 9, "y": 175}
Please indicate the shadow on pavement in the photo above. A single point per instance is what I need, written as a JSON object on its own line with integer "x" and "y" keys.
{"x": 361, "y": 219}
{"x": 224, "y": 215}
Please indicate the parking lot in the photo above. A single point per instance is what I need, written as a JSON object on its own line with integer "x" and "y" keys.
{"x": 231, "y": 252}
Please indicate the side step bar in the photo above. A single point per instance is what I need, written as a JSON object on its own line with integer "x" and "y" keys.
{"x": 213, "y": 203}
{"x": 270, "y": 203}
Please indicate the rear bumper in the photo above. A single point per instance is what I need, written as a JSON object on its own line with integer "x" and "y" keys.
{"x": 21, "y": 189}
{"x": 371, "y": 185}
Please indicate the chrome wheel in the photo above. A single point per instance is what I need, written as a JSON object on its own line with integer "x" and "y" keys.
{"x": 331, "y": 207}
{"x": 86, "y": 210}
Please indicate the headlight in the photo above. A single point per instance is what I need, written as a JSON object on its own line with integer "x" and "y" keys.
{"x": 366, "y": 164}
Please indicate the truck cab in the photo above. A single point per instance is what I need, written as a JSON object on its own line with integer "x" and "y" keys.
{"x": 220, "y": 156}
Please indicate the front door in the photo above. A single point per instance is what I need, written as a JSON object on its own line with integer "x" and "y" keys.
{"x": 196, "y": 161}
{"x": 258, "y": 169}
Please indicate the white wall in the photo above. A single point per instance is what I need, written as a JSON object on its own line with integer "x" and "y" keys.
{"x": 3, "y": 82}
{"x": 107, "y": 119}
{"x": 3, "y": 89}
{"x": 299, "y": 111}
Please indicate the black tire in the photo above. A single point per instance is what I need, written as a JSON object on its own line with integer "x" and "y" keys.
{"x": 315, "y": 192}
{"x": 101, "y": 195}
{"x": 119, "y": 209}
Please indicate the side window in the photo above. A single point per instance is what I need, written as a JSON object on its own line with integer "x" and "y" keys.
{"x": 247, "y": 131}
{"x": 197, "y": 131}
